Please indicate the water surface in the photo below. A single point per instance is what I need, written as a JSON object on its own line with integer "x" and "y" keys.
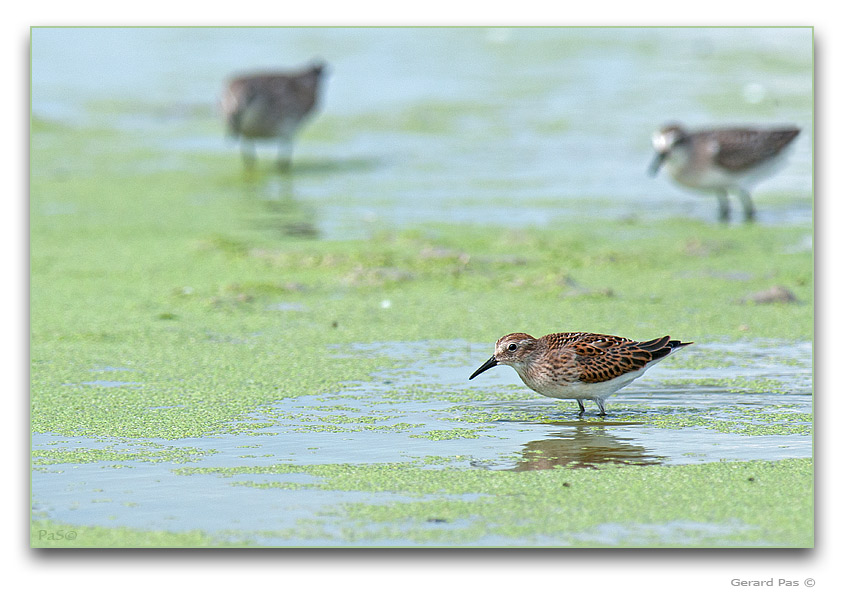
{"x": 420, "y": 414}
{"x": 511, "y": 128}
{"x": 422, "y": 122}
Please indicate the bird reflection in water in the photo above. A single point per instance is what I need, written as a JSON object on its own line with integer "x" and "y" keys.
{"x": 274, "y": 208}
{"x": 582, "y": 447}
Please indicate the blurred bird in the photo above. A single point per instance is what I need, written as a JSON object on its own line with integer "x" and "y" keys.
{"x": 722, "y": 160}
{"x": 271, "y": 105}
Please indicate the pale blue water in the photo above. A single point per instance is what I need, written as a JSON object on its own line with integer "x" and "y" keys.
{"x": 512, "y": 127}
{"x": 522, "y": 126}
{"x": 148, "y": 494}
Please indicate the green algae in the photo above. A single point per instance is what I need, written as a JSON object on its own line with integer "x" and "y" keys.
{"x": 762, "y": 503}
{"x": 287, "y": 486}
{"x": 776, "y": 420}
{"x": 742, "y": 384}
{"x": 736, "y": 420}
{"x": 715, "y": 359}
{"x": 355, "y": 428}
{"x": 172, "y": 297}
{"x": 439, "y": 434}
{"x": 189, "y": 302}
{"x": 154, "y": 454}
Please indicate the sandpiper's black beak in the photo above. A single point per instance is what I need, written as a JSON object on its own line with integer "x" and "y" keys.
{"x": 656, "y": 163}
{"x": 488, "y": 365}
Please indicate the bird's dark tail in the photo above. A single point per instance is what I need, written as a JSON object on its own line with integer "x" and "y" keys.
{"x": 662, "y": 347}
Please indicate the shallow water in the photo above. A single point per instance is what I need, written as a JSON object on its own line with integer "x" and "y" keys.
{"x": 418, "y": 413}
{"x": 508, "y": 127}
{"x": 423, "y": 121}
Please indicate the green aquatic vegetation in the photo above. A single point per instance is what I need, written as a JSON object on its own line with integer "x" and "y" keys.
{"x": 173, "y": 455}
{"x": 471, "y": 414}
{"x": 738, "y": 420}
{"x": 742, "y": 385}
{"x": 774, "y": 420}
{"x": 323, "y": 470}
{"x": 440, "y": 434}
{"x": 363, "y": 419}
{"x": 777, "y": 422}
{"x": 356, "y": 428}
{"x": 190, "y": 303}
{"x": 434, "y": 392}
{"x": 700, "y": 359}
{"x": 336, "y": 407}
{"x": 370, "y": 419}
{"x": 287, "y": 486}
{"x": 173, "y": 296}
{"x": 727, "y": 358}
{"x": 440, "y": 461}
{"x": 761, "y": 503}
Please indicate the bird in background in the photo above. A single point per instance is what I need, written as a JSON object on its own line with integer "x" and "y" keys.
{"x": 269, "y": 105}
{"x": 722, "y": 160}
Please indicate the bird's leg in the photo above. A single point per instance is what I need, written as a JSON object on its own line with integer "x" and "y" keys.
{"x": 247, "y": 149}
{"x": 580, "y": 404}
{"x": 747, "y": 203}
{"x": 285, "y": 155}
{"x": 600, "y": 404}
{"x": 723, "y": 207}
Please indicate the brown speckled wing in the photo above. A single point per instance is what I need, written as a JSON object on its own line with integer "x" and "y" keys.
{"x": 570, "y": 339}
{"x": 602, "y": 357}
{"x": 742, "y": 149}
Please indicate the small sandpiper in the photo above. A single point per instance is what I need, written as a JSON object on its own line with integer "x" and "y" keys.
{"x": 578, "y": 365}
{"x": 722, "y": 160}
{"x": 271, "y": 105}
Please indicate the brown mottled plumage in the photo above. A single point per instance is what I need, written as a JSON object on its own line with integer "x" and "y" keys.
{"x": 722, "y": 159}
{"x": 270, "y": 105}
{"x": 578, "y": 365}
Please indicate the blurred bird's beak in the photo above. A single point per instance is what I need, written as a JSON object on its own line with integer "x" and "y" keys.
{"x": 656, "y": 163}
{"x": 488, "y": 365}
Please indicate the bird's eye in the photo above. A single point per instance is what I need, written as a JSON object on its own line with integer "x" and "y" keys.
{"x": 512, "y": 347}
